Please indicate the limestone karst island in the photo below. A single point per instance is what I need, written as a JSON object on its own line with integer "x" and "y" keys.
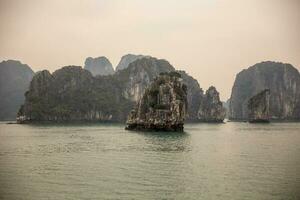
{"x": 146, "y": 93}
{"x": 163, "y": 105}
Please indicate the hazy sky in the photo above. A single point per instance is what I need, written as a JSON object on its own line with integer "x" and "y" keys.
{"x": 211, "y": 39}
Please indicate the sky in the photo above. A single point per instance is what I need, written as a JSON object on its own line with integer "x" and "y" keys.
{"x": 212, "y": 40}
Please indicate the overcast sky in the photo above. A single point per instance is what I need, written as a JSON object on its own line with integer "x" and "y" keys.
{"x": 211, "y": 39}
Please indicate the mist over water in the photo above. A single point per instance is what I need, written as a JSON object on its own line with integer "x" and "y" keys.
{"x": 103, "y": 161}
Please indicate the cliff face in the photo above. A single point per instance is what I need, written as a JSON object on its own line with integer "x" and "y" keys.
{"x": 162, "y": 106}
{"x": 15, "y": 78}
{"x": 259, "y": 106}
{"x": 98, "y": 66}
{"x": 283, "y": 80}
{"x": 127, "y": 59}
{"x": 139, "y": 74}
{"x": 211, "y": 109}
{"x": 194, "y": 96}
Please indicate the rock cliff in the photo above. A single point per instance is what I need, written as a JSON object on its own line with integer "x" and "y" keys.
{"x": 283, "y": 80}
{"x": 15, "y": 78}
{"x": 139, "y": 74}
{"x": 211, "y": 108}
{"x": 127, "y": 59}
{"x": 259, "y": 106}
{"x": 194, "y": 95}
{"x": 98, "y": 66}
{"x": 162, "y": 106}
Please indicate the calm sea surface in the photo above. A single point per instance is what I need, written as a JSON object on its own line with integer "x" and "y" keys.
{"x": 103, "y": 161}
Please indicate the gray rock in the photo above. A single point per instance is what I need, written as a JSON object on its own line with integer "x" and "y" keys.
{"x": 226, "y": 106}
{"x": 15, "y": 78}
{"x": 162, "y": 107}
{"x": 259, "y": 106}
{"x": 99, "y": 66}
{"x": 194, "y": 95}
{"x": 283, "y": 80}
{"x": 139, "y": 74}
{"x": 211, "y": 108}
{"x": 127, "y": 59}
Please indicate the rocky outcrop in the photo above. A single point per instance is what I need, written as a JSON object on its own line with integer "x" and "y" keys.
{"x": 211, "y": 109}
{"x": 127, "y": 59}
{"x": 15, "y": 78}
{"x": 162, "y": 106}
{"x": 99, "y": 66}
{"x": 259, "y": 106}
{"x": 283, "y": 80}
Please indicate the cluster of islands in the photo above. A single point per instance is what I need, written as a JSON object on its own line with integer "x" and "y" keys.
{"x": 145, "y": 92}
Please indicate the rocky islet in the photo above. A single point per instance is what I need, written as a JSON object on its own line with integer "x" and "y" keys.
{"x": 162, "y": 107}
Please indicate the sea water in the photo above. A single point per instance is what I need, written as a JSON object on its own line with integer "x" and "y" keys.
{"x": 103, "y": 161}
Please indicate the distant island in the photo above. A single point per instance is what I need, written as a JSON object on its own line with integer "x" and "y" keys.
{"x": 98, "y": 93}
{"x": 282, "y": 81}
{"x": 15, "y": 79}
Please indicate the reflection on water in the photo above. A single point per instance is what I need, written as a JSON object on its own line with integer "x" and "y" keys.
{"x": 103, "y": 161}
{"x": 168, "y": 142}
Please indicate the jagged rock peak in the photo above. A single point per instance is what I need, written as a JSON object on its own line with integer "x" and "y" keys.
{"x": 259, "y": 106}
{"x": 127, "y": 59}
{"x": 211, "y": 109}
{"x": 163, "y": 105}
{"x": 99, "y": 66}
{"x": 282, "y": 79}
